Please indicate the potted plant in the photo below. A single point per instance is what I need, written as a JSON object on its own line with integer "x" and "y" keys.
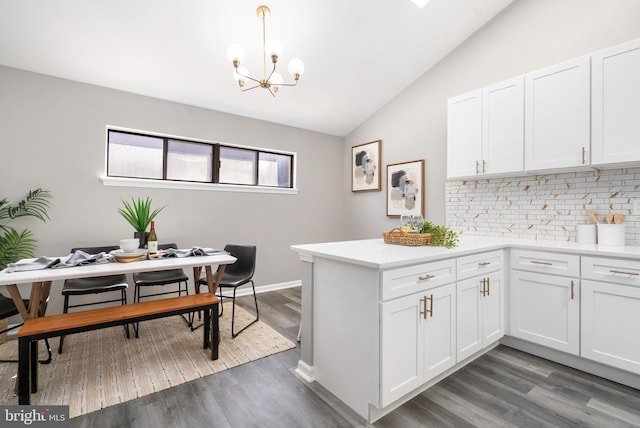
{"x": 139, "y": 215}
{"x": 16, "y": 245}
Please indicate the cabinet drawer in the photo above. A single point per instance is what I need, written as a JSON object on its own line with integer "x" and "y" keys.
{"x": 478, "y": 264}
{"x": 617, "y": 271}
{"x": 545, "y": 262}
{"x": 413, "y": 279}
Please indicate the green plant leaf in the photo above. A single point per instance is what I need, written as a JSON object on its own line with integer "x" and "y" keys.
{"x": 15, "y": 246}
{"x": 138, "y": 213}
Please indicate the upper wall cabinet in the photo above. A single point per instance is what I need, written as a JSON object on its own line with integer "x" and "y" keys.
{"x": 486, "y": 131}
{"x": 464, "y": 134}
{"x": 616, "y": 104}
{"x": 557, "y": 116}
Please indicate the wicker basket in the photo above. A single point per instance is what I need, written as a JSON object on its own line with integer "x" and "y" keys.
{"x": 398, "y": 237}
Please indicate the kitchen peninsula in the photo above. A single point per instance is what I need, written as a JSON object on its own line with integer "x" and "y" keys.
{"x": 382, "y": 323}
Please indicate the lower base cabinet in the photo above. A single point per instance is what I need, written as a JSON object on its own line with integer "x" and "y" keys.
{"x": 545, "y": 309}
{"x": 611, "y": 324}
{"x": 419, "y": 342}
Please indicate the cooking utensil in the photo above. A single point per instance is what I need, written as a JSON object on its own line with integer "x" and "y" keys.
{"x": 593, "y": 216}
{"x": 609, "y": 218}
{"x": 617, "y": 218}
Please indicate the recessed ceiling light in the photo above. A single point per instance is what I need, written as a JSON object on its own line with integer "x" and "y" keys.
{"x": 420, "y": 3}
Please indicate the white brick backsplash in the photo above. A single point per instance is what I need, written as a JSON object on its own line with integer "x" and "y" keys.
{"x": 542, "y": 206}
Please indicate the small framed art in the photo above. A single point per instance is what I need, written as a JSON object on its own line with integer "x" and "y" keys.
{"x": 365, "y": 167}
{"x": 405, "y": 189}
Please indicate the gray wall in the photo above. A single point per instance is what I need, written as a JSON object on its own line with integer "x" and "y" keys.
{"x": 52, "y": 134}
{"x": 528, "y": 35}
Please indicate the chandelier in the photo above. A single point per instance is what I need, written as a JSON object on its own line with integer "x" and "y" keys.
{"x": 272, "y": 50}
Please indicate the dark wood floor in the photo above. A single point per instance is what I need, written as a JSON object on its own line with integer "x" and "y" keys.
{"x": 504, "y": 388}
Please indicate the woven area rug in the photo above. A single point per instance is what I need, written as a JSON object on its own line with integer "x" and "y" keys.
{"x": 102, "y": 368}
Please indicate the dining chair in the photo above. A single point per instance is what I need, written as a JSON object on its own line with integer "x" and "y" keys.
{"x": 161, "y": 278}
{"x": 94, "y": 285}
{"x": 235, "y": 275}
{"x": 8, "y": 309}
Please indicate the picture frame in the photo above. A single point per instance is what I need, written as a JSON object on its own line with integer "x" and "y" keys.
{"x": 365, "y": 167}
{"x": 405, "y": 188}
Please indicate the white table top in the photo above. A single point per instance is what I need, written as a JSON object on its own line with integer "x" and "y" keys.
{"x": 374, "y": 253}
{"x": 113, "y": 268}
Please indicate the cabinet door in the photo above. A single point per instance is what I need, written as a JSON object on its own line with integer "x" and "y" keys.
{"x": 469, "y": 323}
{"x": 439, "y": 331}
{"x": 558, "y": 116}
{"x": 545, "y": 310}
{"x": 610, "y": 320}
{"x": 464, "y": 135}
{"x": 401, "y": 341}
{"x": 480, "y": 320}
{"x": 615, "y": 105}
{"x": 503, "y": 127}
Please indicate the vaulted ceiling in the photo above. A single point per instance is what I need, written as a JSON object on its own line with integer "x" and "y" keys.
{"x": 358, "y": 54}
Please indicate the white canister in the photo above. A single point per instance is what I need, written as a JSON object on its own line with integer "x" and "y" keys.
{"x": 611, "y": 234}
{"x": 586, "y": 234}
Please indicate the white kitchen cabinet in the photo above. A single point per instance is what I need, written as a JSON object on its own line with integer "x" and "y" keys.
{"x": 615, "y": 104}
{"x": 558, "y": 116}
{"x": 545, "y": 308}
{"x": 486, "y": 131}
{"x": 503, "y": 127}
{"x": 464, "y": 134}
{"x": 480, "y": 309}
{"x": 480, "y": 302}
{"x": 611, "y": 312}
{"x": 419, "y": 340}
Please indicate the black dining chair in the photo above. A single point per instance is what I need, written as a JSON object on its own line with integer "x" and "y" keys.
{"x": 235, "y": 275}
{"x": 94, "y": 285}
{"x": 161, "y": 278}
{"x": 8, "y": 309}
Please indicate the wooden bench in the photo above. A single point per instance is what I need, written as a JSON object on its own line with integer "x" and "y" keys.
{"x": 35, "y": 329}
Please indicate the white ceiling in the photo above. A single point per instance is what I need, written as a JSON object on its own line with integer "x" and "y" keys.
{"x": 358, "y": 54}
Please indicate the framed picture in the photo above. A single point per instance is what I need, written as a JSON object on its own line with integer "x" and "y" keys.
{"x": 405, "y": 189}
{"x": 365, "y": 167}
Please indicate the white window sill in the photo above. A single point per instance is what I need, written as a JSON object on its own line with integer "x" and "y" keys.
{"x": 184, "y": 185}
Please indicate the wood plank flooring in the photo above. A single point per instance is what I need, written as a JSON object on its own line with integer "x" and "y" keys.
{"x": 504, "y": 388}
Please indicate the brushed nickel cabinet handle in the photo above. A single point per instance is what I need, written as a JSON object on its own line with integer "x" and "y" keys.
{"x": 623, "y": 272}
{"x": 431, "y": 305}
{"x": 484, "y": 263}
{"x": 477, "y": 167}
{"x": 484, "y": 286}
{"x": 426, "y": 277}
{"x": 484, "y": 166}
{"x": 424, "y": 310}
{"x": 488, "y": 286}
{"x": 537, "y": 262}
{"x": 584, "y": 156}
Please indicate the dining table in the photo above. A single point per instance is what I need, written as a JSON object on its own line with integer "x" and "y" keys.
{"x": 40, "y": 280}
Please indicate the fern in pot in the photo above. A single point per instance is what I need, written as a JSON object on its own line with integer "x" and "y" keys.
{"x": 139, "y": 215}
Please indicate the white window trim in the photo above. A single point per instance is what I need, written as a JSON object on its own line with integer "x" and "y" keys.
{"x": 187, "y": 185}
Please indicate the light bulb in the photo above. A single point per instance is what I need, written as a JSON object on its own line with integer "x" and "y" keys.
{"x": 276, "y": 79}
{"x": 273, "y": 47}
{"x": 235, "y": 52}
{"x": 241, "y": 75}
{"x": 296, "y": 67}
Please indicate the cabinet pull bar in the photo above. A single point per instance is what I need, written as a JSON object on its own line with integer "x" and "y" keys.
{"x": 484, "y": 286}
{"x": 484, "y": 166}
{"x": 477, "y": 167}
{"x": 572, "y": 289}
{"x": 484, "y": 263}
{"x": 583, "y": 156}
{"x": 623, "y": 272}
{"x": 430, "y": 305}
{"x": 426, "y": 277}
{"x": 537, "y": 262}
{"x": 423, "y": 312}
{"x": 488, "y": 286}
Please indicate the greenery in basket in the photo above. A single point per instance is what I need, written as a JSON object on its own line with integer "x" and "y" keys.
{"x": 16, "y": 245}
{"x": 138, "y": 213}
{"x": 442, "y": 235}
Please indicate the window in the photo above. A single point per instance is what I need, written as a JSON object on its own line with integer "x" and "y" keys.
{"x": 131, "y": 154}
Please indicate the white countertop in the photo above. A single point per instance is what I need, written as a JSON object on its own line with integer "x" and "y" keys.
{"x": 376, "y": 254}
